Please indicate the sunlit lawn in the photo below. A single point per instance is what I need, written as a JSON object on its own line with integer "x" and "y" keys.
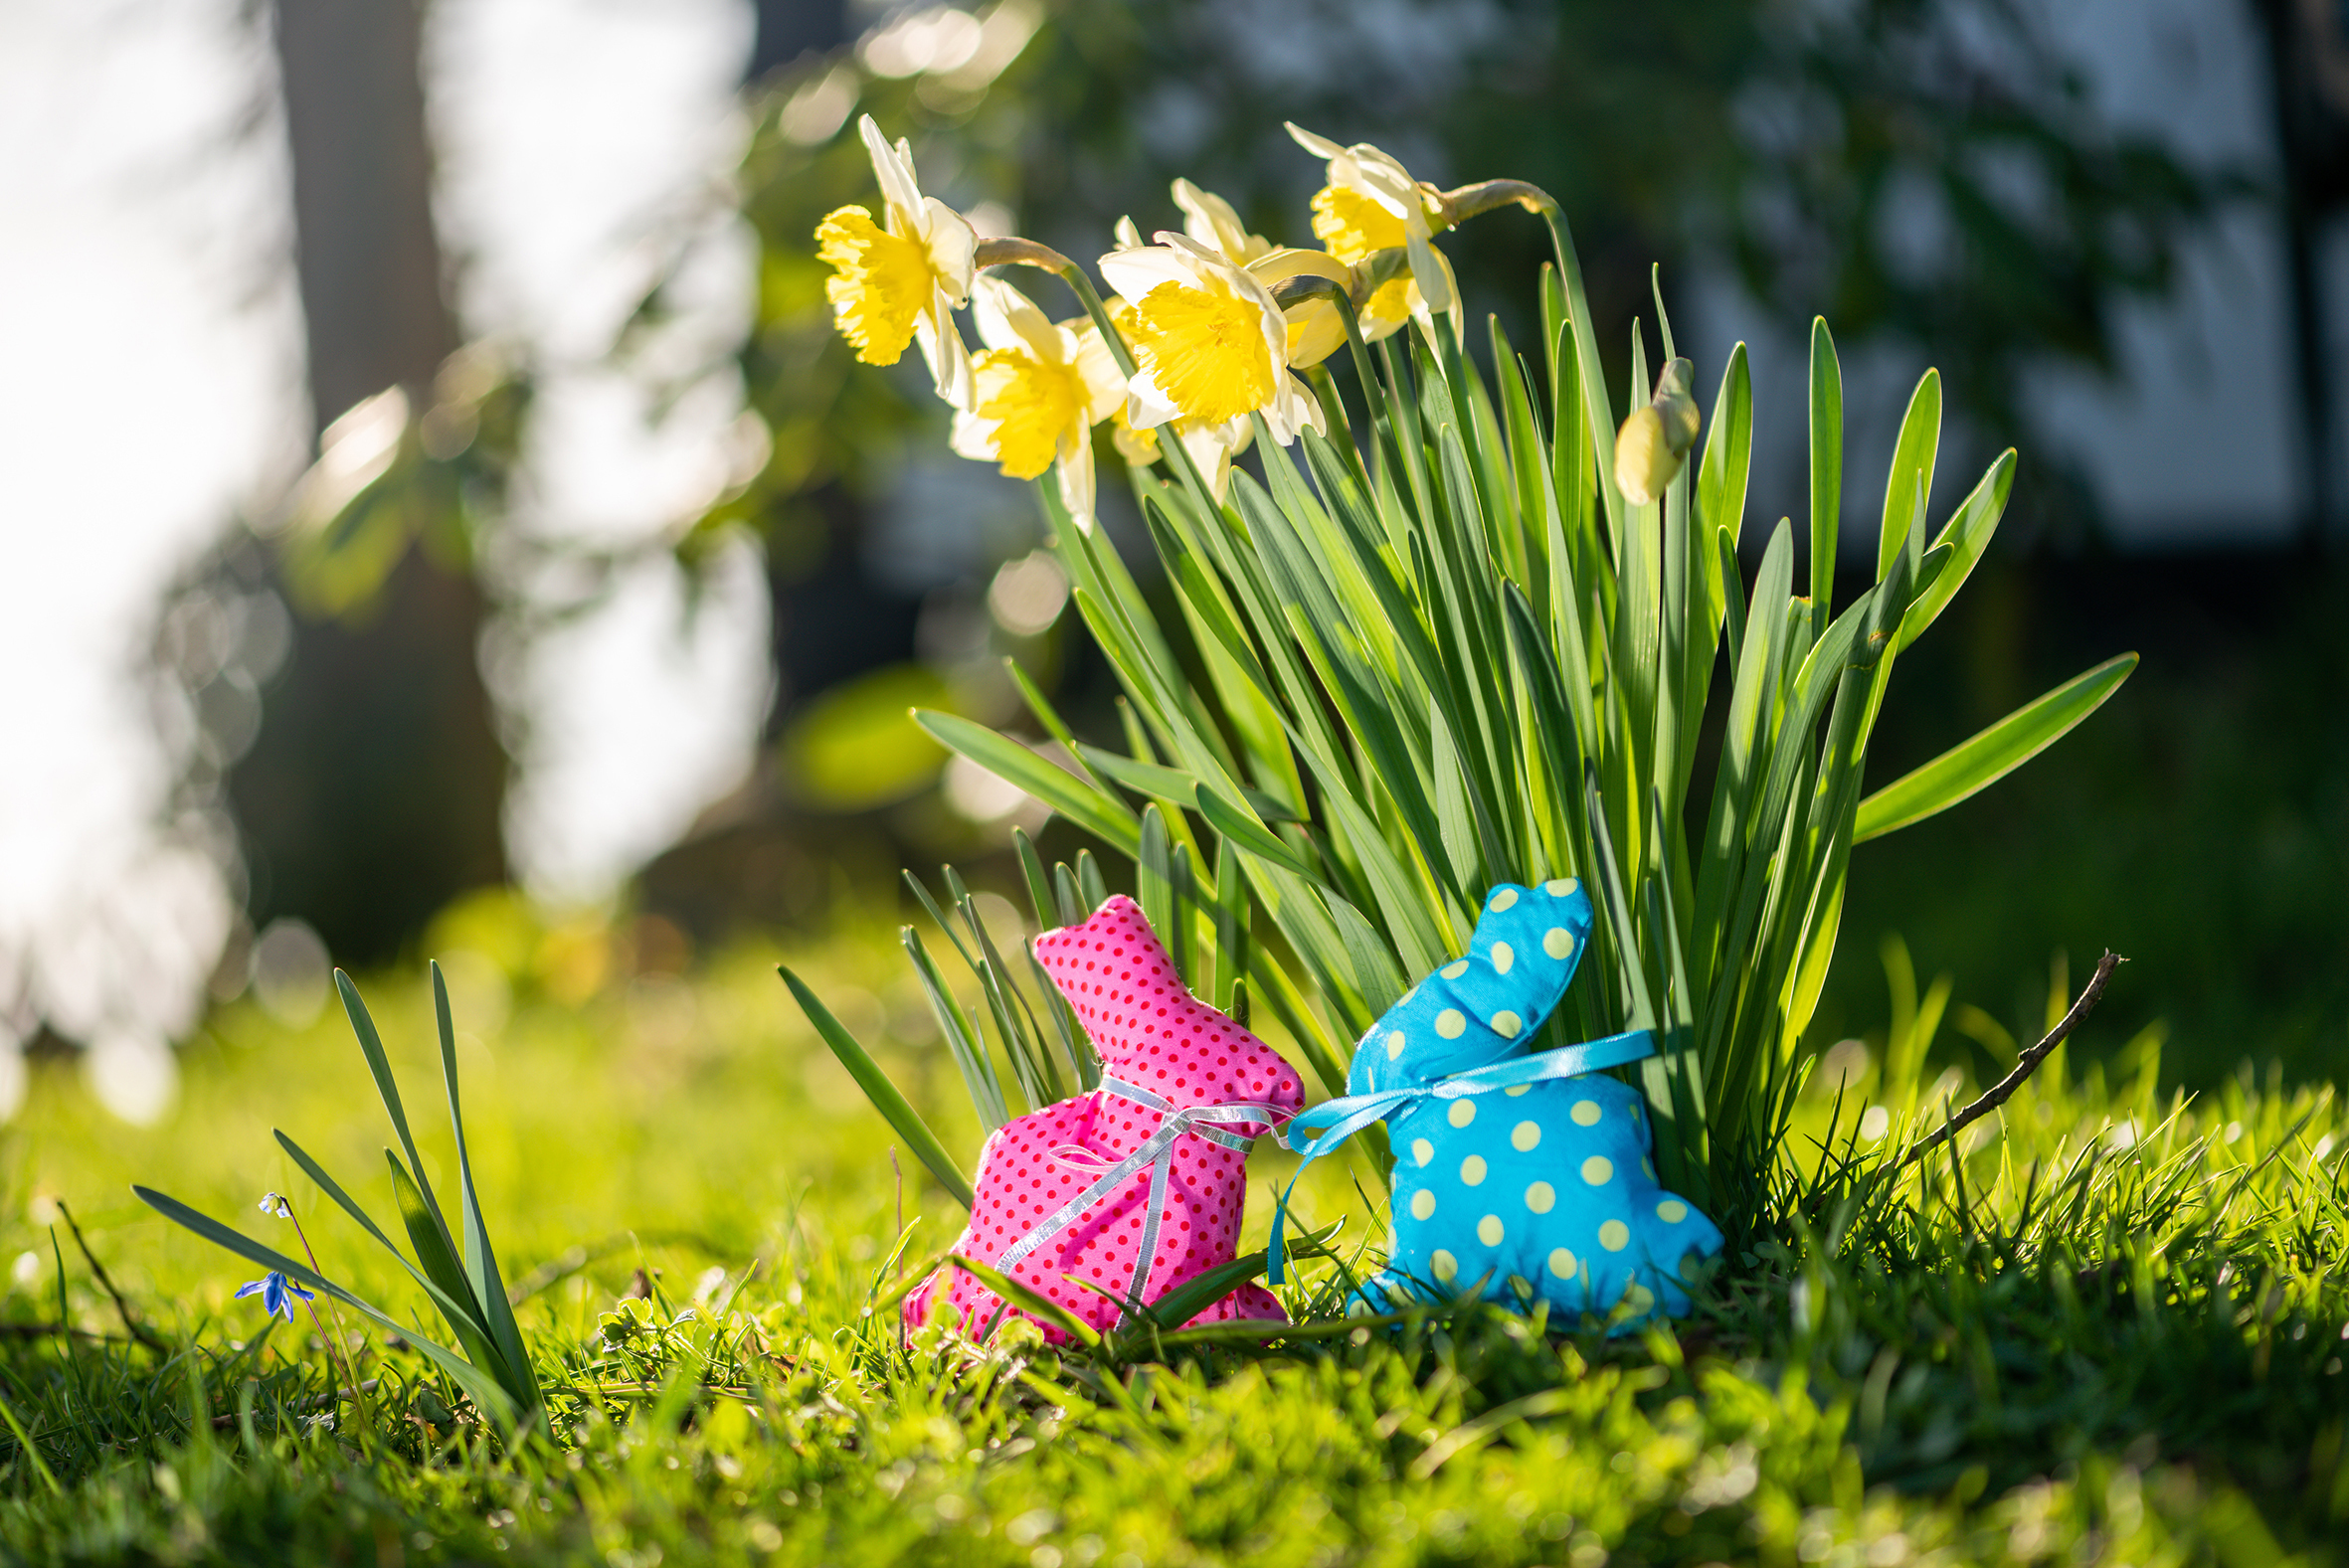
{"x": 2119, "y": 1339}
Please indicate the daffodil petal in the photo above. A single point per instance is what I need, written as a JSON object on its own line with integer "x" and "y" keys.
{"x": 1211, "y": 220}
{"x": 1135, "y": 272}
{"x": 1435, "y": 281}
{"x": 1146, "y": 407}
{"x": 952, "y": 244}
{"x": 1074, "y": 471}
{"x": 893, "y": 168}
{"x": 1320, "y": 146}
{"x": 1278, "y": 266}
{"x": 942, "y": 346}
{"x": 1008, "y": 318}
{"x": 1105, "y": 383}
{"x": 973, "y": 436}
{"x": 1294, "y": 408}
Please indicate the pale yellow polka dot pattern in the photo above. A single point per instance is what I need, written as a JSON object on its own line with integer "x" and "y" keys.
{"x": 1548, "y": 1203}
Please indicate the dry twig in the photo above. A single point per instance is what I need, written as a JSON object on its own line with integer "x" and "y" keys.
{"x": 1999, "y": 1093}
{"x": 130, "y": 1322}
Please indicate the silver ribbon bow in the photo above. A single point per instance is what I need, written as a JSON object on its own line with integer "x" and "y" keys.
{"x": 1157, "y": 1155}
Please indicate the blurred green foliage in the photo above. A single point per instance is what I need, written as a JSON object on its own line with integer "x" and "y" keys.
{"x": 2200, "y": 825}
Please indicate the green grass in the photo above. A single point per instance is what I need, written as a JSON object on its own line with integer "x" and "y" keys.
{"x": 2111, "y": 1329}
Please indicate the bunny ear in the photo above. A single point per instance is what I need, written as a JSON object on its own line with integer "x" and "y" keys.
{"x": 1533, "y": 938}
{"x": 1482, "y": 1006}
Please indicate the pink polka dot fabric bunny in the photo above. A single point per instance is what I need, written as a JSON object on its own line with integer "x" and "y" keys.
{"x": 1137, "y": 1186}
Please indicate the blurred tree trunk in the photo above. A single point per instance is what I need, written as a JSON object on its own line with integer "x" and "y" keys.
{"x": 373, "y": 793}
{"x": 2308, "y": 76}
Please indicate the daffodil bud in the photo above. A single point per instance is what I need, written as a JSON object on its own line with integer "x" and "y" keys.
{"x": 1654, "y": 441}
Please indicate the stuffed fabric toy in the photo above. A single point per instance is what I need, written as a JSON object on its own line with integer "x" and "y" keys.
{"x": 1523, "y": 1176}
{"x": 1137, "y": 1187}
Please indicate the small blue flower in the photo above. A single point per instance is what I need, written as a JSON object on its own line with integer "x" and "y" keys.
{"x": 275, "y": 1206}
{"x": 277, "y": 1294}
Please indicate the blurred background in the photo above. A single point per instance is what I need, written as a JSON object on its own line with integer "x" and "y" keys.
{"x": 437, "y": 515}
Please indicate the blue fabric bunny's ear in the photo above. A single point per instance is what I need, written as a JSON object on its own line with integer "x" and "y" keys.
{"x": 1482, "y": 1007}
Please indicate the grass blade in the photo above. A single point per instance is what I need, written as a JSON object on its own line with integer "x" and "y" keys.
{"x": 1991, "y": 755}
{"x": 1097, "y": 813}
{"x": 1827, "y": 465}
{"x": 477, "y": 1383}
{"x": 480, "y": 1260}
{"x": 1029, "y": 1300}
{"x": 379, "y": 1067}
{"x": 895, "y": 1108}
{"x": 1910, "y": 482}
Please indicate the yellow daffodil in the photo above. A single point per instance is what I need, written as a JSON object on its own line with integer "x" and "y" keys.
{"x": 1373, "y": 204}
{"x": 1209, "y": 343}
{"x": 1211, "y": 446}
{"x": 901, "y": 281}
{"x": 1038, "y": 389}
{"x": 1209, "y": 219}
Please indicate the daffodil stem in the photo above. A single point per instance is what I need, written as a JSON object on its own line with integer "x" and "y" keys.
{"x": 1474, "y": 201}
{"x": 1019, "y": 252}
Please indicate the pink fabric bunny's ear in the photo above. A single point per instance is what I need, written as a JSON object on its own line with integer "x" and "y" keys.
{"x": 1149, "y": 1029}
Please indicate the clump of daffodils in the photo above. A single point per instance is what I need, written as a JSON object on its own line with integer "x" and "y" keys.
{"x": 1201, "y": 336}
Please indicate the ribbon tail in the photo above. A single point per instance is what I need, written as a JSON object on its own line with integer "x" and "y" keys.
{"x": 1154, "y": 1210}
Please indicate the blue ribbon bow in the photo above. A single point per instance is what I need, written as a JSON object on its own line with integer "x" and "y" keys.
{"x": 1343, "y": 1117}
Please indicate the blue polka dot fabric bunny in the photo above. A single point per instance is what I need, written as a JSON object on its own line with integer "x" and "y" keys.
{"x": 1521, "y": 1175}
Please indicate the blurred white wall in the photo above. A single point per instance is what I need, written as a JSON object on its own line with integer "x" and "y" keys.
{"x": 2195, "y": 440}
{"x": 154, "y": 396}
